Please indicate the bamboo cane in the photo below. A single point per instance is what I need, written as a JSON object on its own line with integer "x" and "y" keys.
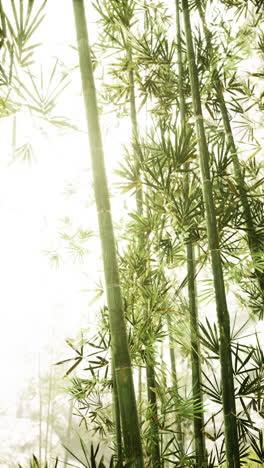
{"x": 180, "y": 434}
{"x": 229, "y": 405}
{"x": 116, "y": 415}
{"x": 123, "y": 370}
{"x": 251, "y": 231}
{"x": 150, "y": 372}
{"x": 153, "y": 411}
{"x": 199, "y": 438}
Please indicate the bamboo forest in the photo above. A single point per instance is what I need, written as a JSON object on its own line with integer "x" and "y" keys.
{"x": 132, "y": 233}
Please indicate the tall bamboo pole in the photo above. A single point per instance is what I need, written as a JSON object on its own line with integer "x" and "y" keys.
{"x": 140, "y": 394}
{"x": 229, "y": 405}
{"x": 150, "y": 371}
{"x": 180, "y": 434}
{"x": 117, "y": 421}
{"x": 198, "y": 422}
{"x": 123, "y": 370}
{"x": 153, "y": 412}
{"x": 251, "y": 231}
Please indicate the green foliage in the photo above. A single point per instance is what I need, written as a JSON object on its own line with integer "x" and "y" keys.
{"x": 39, "y": 94}
{"x": 35, "y": 463}
{"x": 18, "y": 23}
{"x": 90, "y": 456}
{"x": 22, "y": 26}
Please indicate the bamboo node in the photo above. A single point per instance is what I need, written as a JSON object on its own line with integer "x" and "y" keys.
{"x": 197, "y": 117}
{"x": 231, "y": 414}
{"x": 113, "y": 285}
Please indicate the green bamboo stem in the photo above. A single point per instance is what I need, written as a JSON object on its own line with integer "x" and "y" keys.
{"x": 165, "y": 417}
{"x": 251, "y": 231}
{"x": 153, "y": 411}
{"x": 229, "y": 405}
{"x": 180, "y": 434}
{"x": 239, "y": 178}
{"x": 123, "y": 370}
{"x": 180, "y": 65}
{"x": 133, "y": 117}
{"x": 140, "y": 394}
{"x": 116, "y": 414}
{"x": 198, "y": 422}
{"x": 150, "y": 372}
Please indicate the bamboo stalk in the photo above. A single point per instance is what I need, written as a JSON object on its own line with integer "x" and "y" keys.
{"x": 133, "y": 117}
{"x": 251, "y": 231}
{"x": 198, "y": 422}
{"x": 140, "y": 394}
{"x": 180, "y": 65}
{"x": 180, "y": 434}
{"x": 153, "y": 411}
{"x": 123, "y": 370}
{"x": 229, "y": 405}
{"x": 116, "y": 414}
{"x": 150, "y": 371}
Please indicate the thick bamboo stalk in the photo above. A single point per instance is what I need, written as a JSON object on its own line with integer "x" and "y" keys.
{"x": 117, "y": 421}
{"x": 229, "y": 406}
{"x": 251, "y": 231}
{"x": 123, "y": 371}
{"x": 198, "y": 422}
